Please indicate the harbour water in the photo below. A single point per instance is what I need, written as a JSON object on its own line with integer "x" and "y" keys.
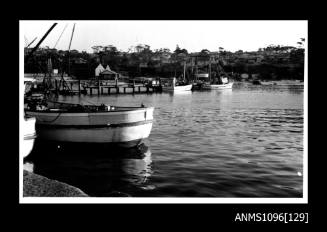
{"x": 244, "y": 142}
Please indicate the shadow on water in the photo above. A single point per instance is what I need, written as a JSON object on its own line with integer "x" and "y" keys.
{"x": 98, "y": 171}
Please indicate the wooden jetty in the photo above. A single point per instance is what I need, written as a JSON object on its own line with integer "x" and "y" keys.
{"x": 90, "y": 87}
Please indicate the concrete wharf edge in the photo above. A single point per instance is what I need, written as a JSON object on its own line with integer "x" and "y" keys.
{"x": 35, "y": 185}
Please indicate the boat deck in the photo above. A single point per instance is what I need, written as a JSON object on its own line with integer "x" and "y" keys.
{"x": 60, "y": 107}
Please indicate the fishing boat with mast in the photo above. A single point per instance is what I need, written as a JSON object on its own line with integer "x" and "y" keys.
{"x": 219, "y": 80}
{"x": 222, "y": 83}
{"x": 213, "y": 80}
{"x": 65, "y": 122}
{"x": 177, "y": 86}
{"x": 96, "y": 124}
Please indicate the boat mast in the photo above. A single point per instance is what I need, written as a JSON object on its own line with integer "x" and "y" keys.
{"x": 62, "y": 80}
{"x": 210, "y": 69}
{"x": 192, "y": 73}
{"x": 39, "y": 43}
{"x": 196, "y": 68}
{"x": 71, "y": 38}
{"x": 184, "y": 71}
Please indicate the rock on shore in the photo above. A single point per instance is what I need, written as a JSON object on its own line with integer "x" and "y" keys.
{"x": 40, "y": 186}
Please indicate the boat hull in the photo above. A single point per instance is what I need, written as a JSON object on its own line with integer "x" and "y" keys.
{"x": 121, "y": 126}
{"x": 177, "y": 88}
{"x": 221, "y": 86}
{"x": 99, "y": 134}
{"x": 29, "y": 136}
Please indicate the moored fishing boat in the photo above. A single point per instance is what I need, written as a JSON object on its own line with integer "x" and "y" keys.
{"x": 77, "y": 123}
{"x": 218, "y": 86}
{"x": 218, "y": 83}
{"x": 176, "y": 87}
{"x": 64, "y": 122}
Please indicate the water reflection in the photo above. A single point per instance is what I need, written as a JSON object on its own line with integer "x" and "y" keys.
{"x": 105, "y": 171}
{"x": 296, "y": 89}
{"x": 247, "y": 142}
{"x": 180, "y": 93}
{"x": 177, "y": 96}
{"x": 222, "y": 92}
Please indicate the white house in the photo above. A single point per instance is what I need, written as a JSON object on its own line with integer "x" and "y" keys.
{"x": 99, "y": 70}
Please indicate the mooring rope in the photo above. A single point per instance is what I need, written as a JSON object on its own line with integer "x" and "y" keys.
{"x": 53, "y": 120}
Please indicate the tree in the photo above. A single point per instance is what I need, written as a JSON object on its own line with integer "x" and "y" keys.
{"x": 164, "y": 50}
{"x": 177, "y": 50}
{"x": 205, "y": 51}
{"x": 110, "y": 49}
{"x": 97, "y": 49}
{"x": 301, "y": 43}
{"x": 142, "y": 47}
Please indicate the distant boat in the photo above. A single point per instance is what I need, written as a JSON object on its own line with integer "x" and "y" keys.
{"x": 65, "y": 122}
{"x": 225, "y": 84}
{"x": 176, "y": 87}
{"x": 218, "y": 86}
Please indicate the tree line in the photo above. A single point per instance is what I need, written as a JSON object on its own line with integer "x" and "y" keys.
{"x": 140, "y": 60}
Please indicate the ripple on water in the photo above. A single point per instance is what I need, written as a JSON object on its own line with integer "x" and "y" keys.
{"x": 247, "y": 142}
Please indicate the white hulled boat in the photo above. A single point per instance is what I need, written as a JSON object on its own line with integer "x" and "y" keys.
{"x": 218, "y": 86}
{"x": 28, "y": 124}
{"x": 224, "y": 84}
{"x": 64, "y": 122}
{"x": 176, "y": 87}
{"x": 29, "y": 133}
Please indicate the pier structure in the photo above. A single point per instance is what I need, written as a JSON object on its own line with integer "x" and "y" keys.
{"x": 120, "y": 89}
{"x": 102, "y": 87}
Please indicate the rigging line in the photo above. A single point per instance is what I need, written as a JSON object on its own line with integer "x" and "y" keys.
{"x": 60, "y": 35}
{"x": 26, "y": 41}
{"x": 89, "y": 102}
{"x": 31, "y": 42}
{"x": 51, "y": 121}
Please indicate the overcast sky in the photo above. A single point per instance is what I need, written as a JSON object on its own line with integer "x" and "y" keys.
{"x": 191, "y": 35}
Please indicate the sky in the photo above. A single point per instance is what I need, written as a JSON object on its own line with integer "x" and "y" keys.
{"x": 189, "y": 34}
